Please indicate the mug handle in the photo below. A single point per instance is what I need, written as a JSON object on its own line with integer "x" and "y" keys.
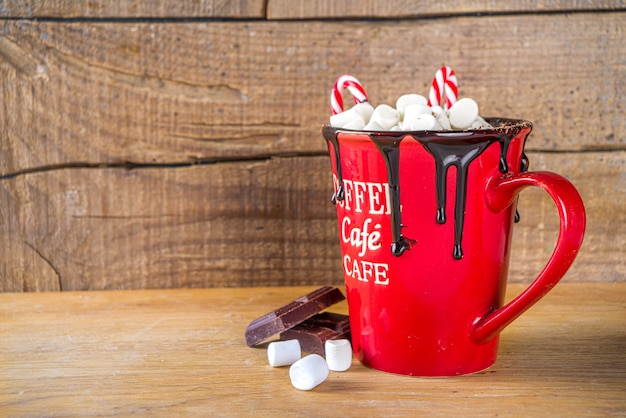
{"x": 501, "y": 191}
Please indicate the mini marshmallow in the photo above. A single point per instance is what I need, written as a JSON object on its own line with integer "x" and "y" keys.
{"x": 412, "y": 113}
{"x": 481, "y": 123}
{"x": 374, "y": 126}
{"x": 308, "y": 372}
{"x": 338, "y": 355}
{"x": 359, "y": 112}
{"x": 414, "y": 110}
{"x": 385, "y": 116}
{"x": 423, "y": 122}
{"x": 463, "y": 113}
{"x": 356, "y": 124}
{"x": 409, "y": 99}
{"x": 364, "y": 110}
{"x": 442, "y": 117}
{"x": 340, "y": 120}
{"x": 283, "y": 353}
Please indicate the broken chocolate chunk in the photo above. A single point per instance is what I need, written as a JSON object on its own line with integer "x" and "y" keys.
{"x": 313, "y": 333}
{"x": 292, "y": 314}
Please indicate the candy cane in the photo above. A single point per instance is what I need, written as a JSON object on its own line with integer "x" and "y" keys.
{"x": 355, "y": 88}
{"x": 444, "y": 86}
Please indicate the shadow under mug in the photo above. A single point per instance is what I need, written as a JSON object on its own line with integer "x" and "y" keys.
{"x": 425, "y": 224}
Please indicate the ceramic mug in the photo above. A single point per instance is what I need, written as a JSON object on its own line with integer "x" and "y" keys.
{"x": 425, "y": 224}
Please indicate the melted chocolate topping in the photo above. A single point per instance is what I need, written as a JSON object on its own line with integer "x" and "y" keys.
{"x": 452, "y": 148}
{"x": 389, "y": 147}
{"x": 332, "y": 140}
{"x": 523, "y": 168}
{"x": 458, "y": 152}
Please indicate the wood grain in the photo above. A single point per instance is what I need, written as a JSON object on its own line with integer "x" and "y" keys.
{"x": 182, "y": 352}
{"x": 302, "y": 9}
{"x": 256, "y": 223}
{"x": 134, "y": 9}
{"x": 228, "y": 224}
{"x": 602, "y": 255}
{"x": 172, "y": 153}
{"x": 285, "y": 9}
{"x": 104, "y": 93}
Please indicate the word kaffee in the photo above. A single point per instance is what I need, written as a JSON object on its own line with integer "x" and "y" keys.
{"x": 365, "y": 197}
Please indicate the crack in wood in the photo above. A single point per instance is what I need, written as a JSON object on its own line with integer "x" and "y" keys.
{"x": 138, "y": 166}
{"x": 286, "y": 12}
{"x": 266, "y": 124}
{"x": 48, "y": 262}
{"x": 235, "y": 159}
{"x": 122, "y": 217}
{"x": 260, "y": 139}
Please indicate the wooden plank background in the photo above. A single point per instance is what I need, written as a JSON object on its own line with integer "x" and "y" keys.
{"x": 138, "y": 152}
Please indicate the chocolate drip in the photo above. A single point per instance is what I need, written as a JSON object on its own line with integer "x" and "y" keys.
{"x": 331, "y": 139}
{"x": 524, "y": 164}
{"x": 504, "y": 151}
{"x": 523, "y": 168}
{"x": 389, "y": 147}
{"x": 458, "y": 153}
{"x": 457, "y": 149}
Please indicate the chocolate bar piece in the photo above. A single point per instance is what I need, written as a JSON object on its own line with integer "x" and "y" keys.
{"x": 292, "y": 314}
{"x": 313, "y": 333}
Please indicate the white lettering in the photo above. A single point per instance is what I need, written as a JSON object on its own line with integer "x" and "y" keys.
{"x": 371, "y": 199}
{"x": 347, "y": 193}
{"x": 363, "y": 270}
{"x": 356, "y": 272}
{"x": 376, "y": 206}
{"x": 346, "y": 265}
{"x": 345, "y": 223}
{"x": 359, "y": 195}
{"x": 380, "y": 273}
{"x": 367, "y": 267}
{"x": 361, "y": 238}
{"x": 388, "y": 198}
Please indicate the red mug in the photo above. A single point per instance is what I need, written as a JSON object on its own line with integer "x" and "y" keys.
{"x": 425, "y": 249}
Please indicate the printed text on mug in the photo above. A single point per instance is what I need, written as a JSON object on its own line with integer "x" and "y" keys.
{"x": 371, "y": 199}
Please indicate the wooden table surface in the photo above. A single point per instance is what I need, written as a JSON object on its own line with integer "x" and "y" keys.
{"x": 182, "y": 352}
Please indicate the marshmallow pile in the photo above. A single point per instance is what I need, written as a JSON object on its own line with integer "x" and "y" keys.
{"x": 411, "y": 113}
{"x": 308, "y": 372}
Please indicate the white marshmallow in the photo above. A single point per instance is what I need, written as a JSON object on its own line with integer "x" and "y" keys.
{"x": 364, "y": 110}
{"x": 283, "y": 353}
{"x": 442, "y": 117}
{"x": 463, "y": 113}
{"x": 385, "y": 116}
{"x": 308, "y": 372}
{"x": 358, "y": 112}
{"x": 409, "y": 99}
{"x": 341, "y": 119}
{"x": 414, "y": 110}
{"x": 356, "y": 124}
{"x": 338, "y": 355}
{"x": 373, "y": 126}
{"x": 481, "y": 123}
{"x": 411, "y": 114}
{"x": 422, "y": 122}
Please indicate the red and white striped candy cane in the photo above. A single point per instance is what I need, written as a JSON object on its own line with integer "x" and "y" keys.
{"x": 355, "y": 88}
{"x": 444, "y": 88}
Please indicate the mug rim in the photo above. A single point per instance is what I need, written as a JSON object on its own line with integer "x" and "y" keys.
{"x": 501, "y": 125}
